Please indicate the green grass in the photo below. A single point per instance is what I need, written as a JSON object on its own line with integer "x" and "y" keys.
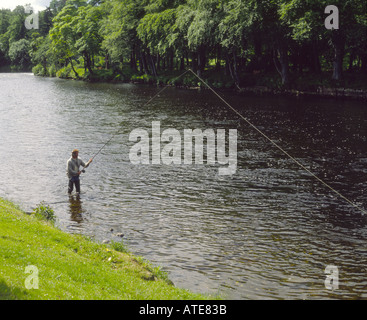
{"x": 72, "y": 267}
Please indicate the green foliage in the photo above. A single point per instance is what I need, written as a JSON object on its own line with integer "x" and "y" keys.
{"x": 202, "y": 19}
{"x": 155, "y": 29}
{"x": 39, "y": 70}
{"x": 63, "y": 35}
{"x": 86, "y": 27}
{"x": 80, "y": 39}
{"x": 16, "y": 29}
{"x": 44, "y": 212}
{"x": 101, "y": 75}
{"x": 51, "y": 71}
{"x": 119, "y": 246}
{"x": 64, "y": 72}
{"x": 157, "y": 272}
{"x": 145, "y": 78}
{"x": 119, "y": 28}
{"x": 19, "y": 54}
{"x": 57, "y": 5}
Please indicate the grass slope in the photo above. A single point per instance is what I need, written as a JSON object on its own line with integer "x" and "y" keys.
{"x": 71, "y": 267}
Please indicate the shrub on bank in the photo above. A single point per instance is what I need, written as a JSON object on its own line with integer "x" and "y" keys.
{"x": 145, "y": 78}
{"x": 39, "y": 70}
{"x": 44, "y": 212}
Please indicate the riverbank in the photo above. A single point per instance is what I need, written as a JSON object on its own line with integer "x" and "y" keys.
{"x": 72, "y": 267}
{"x": 353, "y": 86}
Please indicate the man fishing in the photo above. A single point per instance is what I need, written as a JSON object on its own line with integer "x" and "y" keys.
{"x": 73, "y": 171}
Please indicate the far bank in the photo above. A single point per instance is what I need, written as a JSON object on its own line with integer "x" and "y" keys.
{"x": 353, "y": 86}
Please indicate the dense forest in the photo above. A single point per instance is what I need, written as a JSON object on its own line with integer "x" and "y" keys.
{"x": 238, "y": 43}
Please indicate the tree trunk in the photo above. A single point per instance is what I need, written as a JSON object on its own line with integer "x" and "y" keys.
{"x": 133, "y": 65}
{"x": 228, "y": 69}
{"x": 72, "y": 67}
{"x": 231, "y": 67}
{"x": 352, "y": 56}
{"x": 107, "y": 61}
{"x": 88, "y": 62}
{"x": 171, "y": 58}
{"x": 201, "y": 60}
{"x": 153, "y": 67}
{"x": 284, "y": 64}
{"x": 315, "y": 63}
{"x": 182, "y": 64}
{"x": 44, "y": 64}
{"x": 219, "y": 53}
{"x": 194, "y": 63}
{"x": 235, "y": 72}
{"x": 143, "y": 62}
{"x": 338, "y": 45}
{"x": 258, "y": 52}
{"x": 158, "y": 62}
{"x": 364, "y": 63}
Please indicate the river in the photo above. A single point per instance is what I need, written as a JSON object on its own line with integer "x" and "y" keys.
{"x": 266, "y": 232}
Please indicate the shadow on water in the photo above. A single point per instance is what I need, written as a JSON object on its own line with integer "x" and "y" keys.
{"x": 76, "y": 208}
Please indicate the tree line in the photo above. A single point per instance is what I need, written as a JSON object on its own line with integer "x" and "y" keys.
{"x": 237, "y": 39}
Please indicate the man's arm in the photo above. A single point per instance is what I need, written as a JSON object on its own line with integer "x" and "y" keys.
{"x": 88, "y": 163}
{"x": 85, "y": 165}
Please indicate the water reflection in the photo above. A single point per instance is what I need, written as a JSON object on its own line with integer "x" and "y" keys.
{"x": 75, "y": 208}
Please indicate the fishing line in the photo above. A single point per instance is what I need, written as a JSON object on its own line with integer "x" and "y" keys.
{"x": 147, "y": 103}
{"x": 279, "y": 147}
{"x": 251, "y": 125}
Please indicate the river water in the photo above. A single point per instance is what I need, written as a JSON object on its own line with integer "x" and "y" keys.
{"x": 266, "y": 232}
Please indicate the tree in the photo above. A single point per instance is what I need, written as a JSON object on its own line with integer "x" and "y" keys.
{"x": 56, "y": 6}
{"x": 86, "y": 28}
{"x": 198, "y": 22}
{"x": 119, "y": 30}
{"x": 253, "y": 23}
{"x": 19, "y": 54}
{"x": 64, "y": 35}
{"x": 45, "y": 17}
{"x": 40, "y": 52}
{"x": 16, "y": 29}
{"x": 4, "y": 36}
{"x": 154, "y": 31}
{"x": 306, "y": 19}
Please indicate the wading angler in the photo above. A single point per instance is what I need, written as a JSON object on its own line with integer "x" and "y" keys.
{"x": 73, "y": 171}
{"x": 149, "y": 150}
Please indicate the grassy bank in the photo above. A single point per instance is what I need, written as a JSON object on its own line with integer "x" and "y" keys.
{"x": 71, "y": 266}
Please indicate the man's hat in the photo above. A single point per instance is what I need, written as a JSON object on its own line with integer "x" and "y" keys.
{"x": 75, "y": 150}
